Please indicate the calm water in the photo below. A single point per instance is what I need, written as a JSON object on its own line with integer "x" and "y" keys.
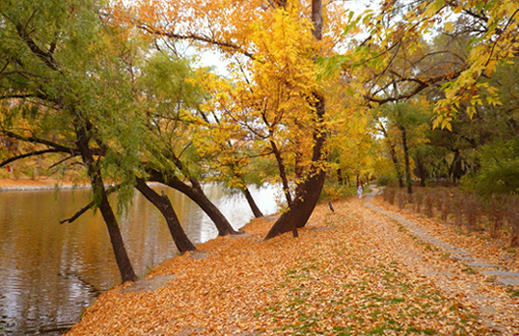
{"x": 50, "y": 272}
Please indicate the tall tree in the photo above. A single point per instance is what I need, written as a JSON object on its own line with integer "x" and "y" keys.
{"x": 244, "y": 34}
{"x": 53, "y": 64}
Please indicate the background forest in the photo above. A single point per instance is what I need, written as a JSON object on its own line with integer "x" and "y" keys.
{"x": 315, "y": 96}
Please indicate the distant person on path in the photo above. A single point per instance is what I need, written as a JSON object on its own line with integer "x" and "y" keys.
{"x": 360, "y": 189}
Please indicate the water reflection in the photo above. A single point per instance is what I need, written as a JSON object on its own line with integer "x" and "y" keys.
{"x": 49, "y": 272}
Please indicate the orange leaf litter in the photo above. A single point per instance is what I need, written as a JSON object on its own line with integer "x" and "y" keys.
{"x": 351, "y": 272}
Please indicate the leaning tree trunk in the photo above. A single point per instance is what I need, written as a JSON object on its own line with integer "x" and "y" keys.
{"x": 166, "y": 209}
{"x": 116, "y": 238}
{"x": 253, "y": 206}
{"x": 307, "y": 193}
{"x": 197, "y": 195}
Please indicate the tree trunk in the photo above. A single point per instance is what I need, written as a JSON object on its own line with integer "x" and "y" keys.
{"x": 116, "y": 238}
{"x": 197, "y": 195}
{"x": 253, "y": 206}
{"x": 166, "y": 209}
{"x": 317, "y": 19}
{"x": 422, "y": 172}
{"x": 307, "y": 194}
{"x": 406, "y": 159}
{"x": 392, "y": 153}
{"x": 301, "y": 209}
{"x": 282, "y": 172}
{"x": 340, "y": 179}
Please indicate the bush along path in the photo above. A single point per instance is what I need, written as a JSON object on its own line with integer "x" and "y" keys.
{"x": 351, "y": 272}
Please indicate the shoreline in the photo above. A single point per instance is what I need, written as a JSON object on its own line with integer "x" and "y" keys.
{"x": 41, "y": 188}
{"x": 26, "y": 184}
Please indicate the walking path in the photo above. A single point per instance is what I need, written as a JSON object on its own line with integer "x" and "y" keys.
{"x": 493, "y": 306}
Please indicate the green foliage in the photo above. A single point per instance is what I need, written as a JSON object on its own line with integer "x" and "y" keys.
{"x": 70, "y": 69}
{"x": 499, "y": 172}
{"x": 334, "y": 191}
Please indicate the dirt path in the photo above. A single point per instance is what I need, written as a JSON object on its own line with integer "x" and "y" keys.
{"x": 355, "y": 271}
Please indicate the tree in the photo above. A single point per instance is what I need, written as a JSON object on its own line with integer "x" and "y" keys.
{"x": 53, "y": 95}
{"x": 171, "y": 112}
{"x": 488, "y": 27}
{"x": 411, "y": 122}
{"x": 240, "y": 32}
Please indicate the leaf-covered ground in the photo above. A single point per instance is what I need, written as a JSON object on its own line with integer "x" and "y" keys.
{"x": 351, "y": 272}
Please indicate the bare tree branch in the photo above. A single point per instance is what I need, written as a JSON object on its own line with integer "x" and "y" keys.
{"x": 195, "y": 37}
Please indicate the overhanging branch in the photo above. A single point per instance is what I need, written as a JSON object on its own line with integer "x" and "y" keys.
{"x": 196, "y": 37}
{"x": 89, "y": 206}
{"x": 26, "y": 155}
{"x": 55, "y": 146}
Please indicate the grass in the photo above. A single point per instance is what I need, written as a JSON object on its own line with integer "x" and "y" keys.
{"x": 514, "y": 292}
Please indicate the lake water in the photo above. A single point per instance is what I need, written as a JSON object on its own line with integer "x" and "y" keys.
{"x": 50, "y": 272}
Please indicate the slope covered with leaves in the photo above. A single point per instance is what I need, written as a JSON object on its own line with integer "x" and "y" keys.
{"x": 351, "y": 272}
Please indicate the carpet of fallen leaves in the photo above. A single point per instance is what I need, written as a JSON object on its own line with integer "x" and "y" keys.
{"x": 351, "y": 272}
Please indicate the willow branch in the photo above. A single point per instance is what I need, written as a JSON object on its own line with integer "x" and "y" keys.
{"x": 89, "y": 206}
{"x": 57, "y": 147}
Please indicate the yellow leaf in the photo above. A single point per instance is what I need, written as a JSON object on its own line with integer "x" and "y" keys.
{"x": 449, "y": 27}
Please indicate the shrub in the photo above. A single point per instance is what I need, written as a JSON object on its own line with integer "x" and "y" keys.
{"x": 429, "y": 205}
{"x": 457, "y": 208}
{"x": 403, "y": 198}
{"x": 512, "y": 217}
{"x": 471, "y": 210}
{"x": 418, "y": 197}
{"x": 389, "y": 195}
{"x": 495, "y": 209}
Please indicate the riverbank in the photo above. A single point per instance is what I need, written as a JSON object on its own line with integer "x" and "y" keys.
{"x": 26, "y": 184}
{"x": 351, "y": 272}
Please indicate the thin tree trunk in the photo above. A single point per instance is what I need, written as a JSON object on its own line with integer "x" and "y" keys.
{"x": 253, "y": 206}
{"x": 197, "y": 195}
{"x": 282, "y": 172}
{"x": 392, "y": 153}
{"x": 340, "y": 179}
{"x": 121, "y": 256}
{"x": 406, "y": 159}
{"x": 421, "y": 170}
{"x": 166, "y": 209}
